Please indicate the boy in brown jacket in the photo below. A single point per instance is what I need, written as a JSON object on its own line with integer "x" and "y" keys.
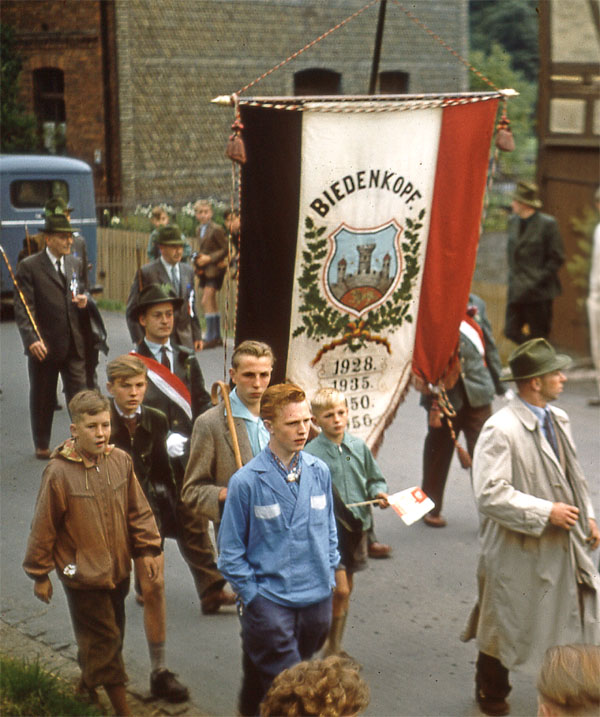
{"x": 91, "y": 518}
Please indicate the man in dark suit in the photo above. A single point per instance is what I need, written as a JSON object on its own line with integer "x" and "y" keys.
{"x": 535, "y": 254}
{"x": 168, "y": 270}
{"x": 176, "y": 387}
{"x": 52, "y": 284}
{"x": 210, "y": 264}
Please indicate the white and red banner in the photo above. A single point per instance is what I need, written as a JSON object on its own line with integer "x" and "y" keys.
{"x": 387, "y": 216}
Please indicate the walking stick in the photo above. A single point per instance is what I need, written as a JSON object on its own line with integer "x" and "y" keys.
{"x": 138, "y": 261}
{"x": 28, "y": 241}
{"x": 214, "y": 394}
{"x": 18, "y": 288}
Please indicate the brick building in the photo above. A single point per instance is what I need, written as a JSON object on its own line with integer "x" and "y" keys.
{"x": 69, "y": 79}
{"x": 138, "y": 75}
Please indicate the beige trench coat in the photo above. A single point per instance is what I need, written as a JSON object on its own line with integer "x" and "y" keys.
{"x": 529, "y": 570}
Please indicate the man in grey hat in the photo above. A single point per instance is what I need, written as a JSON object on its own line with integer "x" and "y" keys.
{"x": 535, "y": 254}
{"x": 50, "y": 326}
{"x": 169, "y": 270}
{"x": 538, "y": 584}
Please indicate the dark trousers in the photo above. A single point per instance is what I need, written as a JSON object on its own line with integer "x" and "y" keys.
{"x": 98, "y": 618}
{"x": 439, "y": 446}
{"x": 537, "y": 315}
{"x": 275, "y": 637}
{"x": 491, "y": 679}
{"x": 197, "y": 549}
{"x": 43, "y": 379}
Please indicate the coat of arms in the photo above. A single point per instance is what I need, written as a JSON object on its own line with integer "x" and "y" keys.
{"x": 357, "y": 283}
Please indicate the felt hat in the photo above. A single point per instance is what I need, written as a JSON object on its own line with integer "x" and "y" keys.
{"x": 527, "y": 193}
{"x": 170, "y": 236}
{"x": 156, "y": 294}
{"x": 534, "y": 358}
{"x": 56, "y": 205}
{"x": 57, "y": 224}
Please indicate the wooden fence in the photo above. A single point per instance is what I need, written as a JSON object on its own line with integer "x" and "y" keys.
{"x": 117, "y": 264}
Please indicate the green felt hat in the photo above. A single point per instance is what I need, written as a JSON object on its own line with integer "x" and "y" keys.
{"x": 534, "y": 358}
{"x": 170, "y": 236}
{"x": 156, "y": 294}
{"x": 58, "y": 224}
{"x": 527, "y": 193}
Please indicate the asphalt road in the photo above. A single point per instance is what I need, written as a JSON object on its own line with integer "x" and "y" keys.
{"x": 406, "y": 613}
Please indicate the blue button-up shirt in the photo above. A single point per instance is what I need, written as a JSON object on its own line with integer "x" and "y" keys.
{"x": 275, "y": 544}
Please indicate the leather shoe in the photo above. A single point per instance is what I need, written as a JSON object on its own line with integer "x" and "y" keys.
{"x": 494, "y": 707}
{"x": 42, "y": 454}
{"x": 213, "y": 343}
{"x": 434, "y": 521}
{"x": 165, "y": 685}
{"x": 213, "y": 600}
{"x": 379, "y": 550}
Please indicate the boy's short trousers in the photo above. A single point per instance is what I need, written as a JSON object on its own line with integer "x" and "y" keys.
{"x": 98, "y": 618}
{"x": 215, "y": 282}
{"x": 356, "y": 561}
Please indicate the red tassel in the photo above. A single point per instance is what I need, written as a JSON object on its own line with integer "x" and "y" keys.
{"x": 504, "y": 136}
{"x": 236, "y": 150}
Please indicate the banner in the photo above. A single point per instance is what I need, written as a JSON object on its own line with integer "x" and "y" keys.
{"x": 377, "y": 216}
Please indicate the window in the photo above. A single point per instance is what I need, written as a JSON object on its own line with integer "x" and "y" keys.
{"x": 28, "y": 193}
{"x": 49, "y": 103}
{"x": 394, "y": 82}
{"x": 317, "y": 81}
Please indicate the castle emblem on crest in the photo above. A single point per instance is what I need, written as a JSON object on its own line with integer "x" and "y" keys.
{"x": 363, "y": 267}
{"x": 356, "y": 285}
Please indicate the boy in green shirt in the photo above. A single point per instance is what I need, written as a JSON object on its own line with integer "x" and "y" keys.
{"x": 356, "y": 477}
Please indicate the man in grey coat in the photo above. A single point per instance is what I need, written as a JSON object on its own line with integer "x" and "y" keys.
{"x": 168, "y": 270}
{"x": 212, "y": 459}
{"x": 538, "y": 585}
{"x": 535, "y": 254}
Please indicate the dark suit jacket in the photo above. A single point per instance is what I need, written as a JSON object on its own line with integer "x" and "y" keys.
{"x": 148, "y": 449}
{"x": 50, "y": 302}
{"x": 188, "y": 370}
{"x": 186, "y": 327}
{"x": 534, "y": 258}
{"x": 214, "y": 243}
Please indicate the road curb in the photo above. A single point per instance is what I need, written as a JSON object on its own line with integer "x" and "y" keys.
{"x": 16, "y": 644}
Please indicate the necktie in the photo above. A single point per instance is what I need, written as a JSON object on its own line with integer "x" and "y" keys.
{"x": 60, "y": 274}
{"x": 164, "y": 357}
{"x": 175, "y": 279}
{"x": 549, "y": 432}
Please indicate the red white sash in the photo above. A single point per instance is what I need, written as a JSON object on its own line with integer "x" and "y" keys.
{"x": 471, "y": 330}
{"x": 168, "y": 383}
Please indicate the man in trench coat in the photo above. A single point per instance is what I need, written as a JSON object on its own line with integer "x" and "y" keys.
{"x": 538, "y": 585}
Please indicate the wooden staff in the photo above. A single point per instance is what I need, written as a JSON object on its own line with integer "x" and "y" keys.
{"x": 28, "y": 241}
{"x": 214, "y": 394}
{"x": 138, "y": 261}
{"x": 18, "y": 288}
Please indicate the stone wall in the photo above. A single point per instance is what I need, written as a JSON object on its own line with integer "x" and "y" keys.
{"x": 174, "y": 56}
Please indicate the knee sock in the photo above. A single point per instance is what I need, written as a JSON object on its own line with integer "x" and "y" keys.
{"x": 157, "y": 655}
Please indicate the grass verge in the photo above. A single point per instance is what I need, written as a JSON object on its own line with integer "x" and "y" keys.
{"x": 26, "y": 689}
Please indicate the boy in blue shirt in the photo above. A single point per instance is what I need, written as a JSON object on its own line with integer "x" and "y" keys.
{"x": 355, "y": 477}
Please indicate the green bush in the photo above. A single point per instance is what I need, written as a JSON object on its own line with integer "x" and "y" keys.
{"x": 26, "y": 689}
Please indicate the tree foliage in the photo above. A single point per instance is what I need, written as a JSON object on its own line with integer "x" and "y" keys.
{"x": 513, "y": 24}
{"x": 496, "y": 66}
{"x": 18, "y": 129}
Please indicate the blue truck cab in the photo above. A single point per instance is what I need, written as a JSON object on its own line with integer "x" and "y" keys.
{"x": 26, "y": 184}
